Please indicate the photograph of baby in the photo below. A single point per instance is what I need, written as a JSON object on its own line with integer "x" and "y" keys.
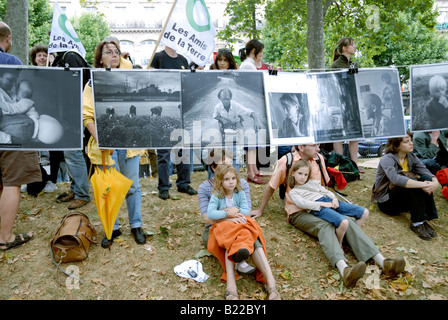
{"x": 380, "y": 103}
{"x": 429, "y": 101}
{"x": 40, "y": 109}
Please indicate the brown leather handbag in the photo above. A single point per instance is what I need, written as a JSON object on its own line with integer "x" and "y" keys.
{"x": 73, "y": 238}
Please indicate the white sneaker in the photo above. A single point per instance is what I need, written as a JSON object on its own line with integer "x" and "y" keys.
{"x": 23, "y": 188}
{"x": 50, "y": 187}
{"x": 244, "y": 268}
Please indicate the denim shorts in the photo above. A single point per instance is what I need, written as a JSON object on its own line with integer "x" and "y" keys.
{"x": 335, "y": 216}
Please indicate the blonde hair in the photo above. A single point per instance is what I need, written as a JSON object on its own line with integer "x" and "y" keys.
{"x": 220, "y": 172}
{"x": 436, "y": 85}
{"x": 296, "y": 166}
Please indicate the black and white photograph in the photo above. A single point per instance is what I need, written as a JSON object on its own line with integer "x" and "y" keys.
{"x": 137, "y": 109}
{"x": 40, "y": 108}
{"x": 335, "y": 108}
{"x": 224, "y": 108}
{"x": 429, "y": 101}
{"x": 380, "y": 103}
{"x": 288, "y": 111}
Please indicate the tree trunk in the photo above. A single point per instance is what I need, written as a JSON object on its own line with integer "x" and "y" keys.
{"x": 16, "y": 17}
{"x": 315, "y": 34}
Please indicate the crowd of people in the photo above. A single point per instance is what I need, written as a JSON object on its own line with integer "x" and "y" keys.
{"x": 405, "y": 180}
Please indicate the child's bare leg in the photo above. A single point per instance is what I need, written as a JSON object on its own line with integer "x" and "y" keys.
{"x": 363, "y": 218}
{"x": 341, "y": 230}
{"x": 231, "y": 289}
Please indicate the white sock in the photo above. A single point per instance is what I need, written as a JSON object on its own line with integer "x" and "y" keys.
{"x": 417, "y": 223}
{"x": 379, "y": 259}
{"x": 341, "y": 265}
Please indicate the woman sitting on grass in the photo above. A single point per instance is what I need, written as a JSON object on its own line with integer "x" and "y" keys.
{"x": 403, "y": 183}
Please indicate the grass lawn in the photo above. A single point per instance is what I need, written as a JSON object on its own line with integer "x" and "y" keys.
{"x": 131, "y": 272}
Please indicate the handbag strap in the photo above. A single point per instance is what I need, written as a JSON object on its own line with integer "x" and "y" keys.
{"x": 103, "y": 159}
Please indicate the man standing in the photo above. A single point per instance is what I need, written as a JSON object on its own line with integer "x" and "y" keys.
{"x": 79, "y": 187}
{"x": 362, "y": 246}
{"x": 16, "y": 167}
{"x": 170, "y": 59}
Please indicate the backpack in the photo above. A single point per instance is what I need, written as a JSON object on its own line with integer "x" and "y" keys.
{"x": 336, "y": 178}
{"x": 442, "y": 176}
{"x": 282, "y": 188}
{"x": 345, "y": 165}
{"x": 61, "y": 61}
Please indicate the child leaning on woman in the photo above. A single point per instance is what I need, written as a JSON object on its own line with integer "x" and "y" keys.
{"x": 311, "y": 195}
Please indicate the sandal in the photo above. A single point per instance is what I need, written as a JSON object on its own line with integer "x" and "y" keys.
{"x": 18, "y": 241}
{"x": 262, "y": 175}
{"x": 273, "y": 293}
{"x": 256, "y": 180}
{"x": 231, "y": 295}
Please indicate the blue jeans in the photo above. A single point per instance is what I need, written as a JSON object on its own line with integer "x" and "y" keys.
{"x": 335, "y": 216}
{"x": 77, "y": 169}
{"x": 431, "y": 165}
{"x": 129, "y": 167}
{"x": 183, "y": 168}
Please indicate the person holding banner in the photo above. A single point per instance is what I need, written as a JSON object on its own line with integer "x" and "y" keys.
{"x": 127, "y": 162}
{"x": 341, "y": 60}
{"x": 250, "y": 56}
{"x": 170, "y": 59}
{"x": 225, "y": 60}
{"x": 70, "y": 52}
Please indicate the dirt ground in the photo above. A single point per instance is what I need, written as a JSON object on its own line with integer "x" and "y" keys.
{"x": 133, "y": 272}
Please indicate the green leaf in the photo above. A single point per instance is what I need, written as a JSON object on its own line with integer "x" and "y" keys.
{"x": 164, "y": 231}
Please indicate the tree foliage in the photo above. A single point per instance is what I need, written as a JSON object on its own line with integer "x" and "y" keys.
{"x": 243, "y": 20}
{"x": 399, "y": 32}
{"x": 90, "y": 27}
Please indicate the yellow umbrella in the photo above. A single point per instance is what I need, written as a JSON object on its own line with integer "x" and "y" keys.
{"x": 110, "y": 188}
